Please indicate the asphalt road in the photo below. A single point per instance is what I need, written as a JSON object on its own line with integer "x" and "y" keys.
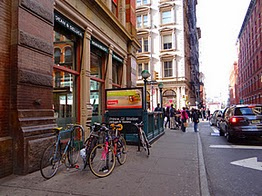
{"x": 232, "y": 169}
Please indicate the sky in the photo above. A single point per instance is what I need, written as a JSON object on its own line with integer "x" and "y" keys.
{"x": 220, "y": 23}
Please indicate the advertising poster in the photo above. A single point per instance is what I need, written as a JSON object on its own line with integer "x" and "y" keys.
{"x": 124, "y": 98}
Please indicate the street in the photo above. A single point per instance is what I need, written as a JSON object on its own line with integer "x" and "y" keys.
{"x": 182, "y": 164}
{"x": 232, "y": 169}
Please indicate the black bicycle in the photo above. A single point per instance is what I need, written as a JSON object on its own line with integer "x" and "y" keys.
{"x": 143, "y": 138}
{"x": 93, "y": 139}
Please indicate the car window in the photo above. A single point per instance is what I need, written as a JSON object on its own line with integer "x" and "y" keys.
{"x": 248, "y": 111}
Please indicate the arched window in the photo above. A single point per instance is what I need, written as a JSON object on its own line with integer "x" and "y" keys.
{"x": 57, "y": 55}
{"x": 68, "y": 55}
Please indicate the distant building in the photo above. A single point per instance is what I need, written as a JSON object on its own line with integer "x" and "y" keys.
{"x": 168, "y": 35}
{"x": 250, "y": 55}
{"x": 233, "y": 85}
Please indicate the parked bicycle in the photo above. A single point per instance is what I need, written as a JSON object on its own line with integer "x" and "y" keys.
{"x": 103, "y": 157}
{"x": 90, "y": 143}
{"x": 65, "y": 150}
{"x": 143, "y": 138}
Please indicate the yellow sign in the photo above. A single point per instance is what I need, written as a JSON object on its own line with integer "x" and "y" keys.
{"x": 124, "y": 99}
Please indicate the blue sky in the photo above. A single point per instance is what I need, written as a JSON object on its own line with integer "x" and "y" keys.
{"x": 220, "y": 23}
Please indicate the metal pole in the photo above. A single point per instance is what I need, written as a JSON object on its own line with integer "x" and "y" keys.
{"x": 145, "y": 109}
{"x": 161, "y": 99}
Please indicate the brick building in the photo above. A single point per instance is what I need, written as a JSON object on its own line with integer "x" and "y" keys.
{"x": 250, "y": 55}
{"x": 57, "y": 59}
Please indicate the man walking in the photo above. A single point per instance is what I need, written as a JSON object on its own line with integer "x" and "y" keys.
{"x": 195, "y": 118}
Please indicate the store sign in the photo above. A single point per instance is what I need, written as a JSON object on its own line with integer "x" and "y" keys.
{"x": 117, "y": 58}
{"x": 99, "y": 45}
{"x": 69, "y": 25}
{"x": 124, "y": 98}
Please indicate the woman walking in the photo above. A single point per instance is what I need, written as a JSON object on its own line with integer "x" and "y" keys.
{"x": 184, "y": 118}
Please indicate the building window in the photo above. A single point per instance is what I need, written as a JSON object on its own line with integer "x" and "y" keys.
{"x": 168, "y": 69}
{"x": 144, "y": 45}
{"x": 166, "y": 17}
{"x": 139, "y": 21}
{"x": 57, "y": 55}
{"x": 117, "y": 73}
{"x": 141, "y": 67}
{"x": 167, "y": 42}
{"x": 142, "y": 21}
{"x": 64, "y": 76}
{"x": 141, "y": 2}
{"x": 114, "y": 7}
{"x": 68, "y": 55}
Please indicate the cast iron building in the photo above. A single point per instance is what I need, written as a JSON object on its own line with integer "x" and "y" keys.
{"x": 250, "y": 55}
{"x": 57, "y": 59}
{"x": 169, "y": 37}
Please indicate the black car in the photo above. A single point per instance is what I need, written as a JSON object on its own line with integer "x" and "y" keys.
{"x": 215, "y": 118}
{"x": 241, "y": 121}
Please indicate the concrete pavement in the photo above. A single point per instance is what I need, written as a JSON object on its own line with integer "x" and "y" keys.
{"x": 175, "y": 167}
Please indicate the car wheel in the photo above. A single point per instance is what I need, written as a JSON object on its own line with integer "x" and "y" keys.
{"x": 230, "y": 138}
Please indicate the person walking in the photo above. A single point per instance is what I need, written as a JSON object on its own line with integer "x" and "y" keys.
{"x": 172, "y": 117}
{"x": 158, "y": 108}
{"x": 184, "y": 118}
{"x": 167, "y": 115}
{"x": 195, "y": 119}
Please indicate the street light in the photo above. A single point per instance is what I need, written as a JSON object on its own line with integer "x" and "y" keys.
{"x": 145, "y": 74}
{"x": 160, "y": 86}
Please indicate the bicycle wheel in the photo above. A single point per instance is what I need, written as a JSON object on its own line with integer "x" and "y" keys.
{"x": 50, "y": 161}
{"x": 73, "y": 153}
{"x": 145, "y": 143}
{"x": 90, "y": 143}
{"x": 121, "y": 150}
{"x": 102, "y": 163}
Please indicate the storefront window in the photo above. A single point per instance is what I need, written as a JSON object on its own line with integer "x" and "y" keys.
{"x": 64, "y": 76}
{"x": 96, "y": 84}
{"x": 64, "y": 97}
{"x": 117, "y": 73}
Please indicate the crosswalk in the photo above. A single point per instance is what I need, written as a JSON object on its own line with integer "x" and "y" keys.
{"x": 215, "y": 131}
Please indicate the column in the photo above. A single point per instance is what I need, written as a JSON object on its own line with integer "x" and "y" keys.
{"x": 108, "y": 79}
{"x": 178, "y": 97}
{"x": 86, "y": 108}
{"x": 124, "y": 84}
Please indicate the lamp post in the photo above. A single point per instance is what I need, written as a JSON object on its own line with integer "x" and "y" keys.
{"x": 145, "y": 74}
{"x": 160, "y": 86}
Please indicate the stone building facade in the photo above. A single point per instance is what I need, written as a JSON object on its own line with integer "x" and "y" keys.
{"x": 57, "y": 59}
{"x": 169, "y": 37}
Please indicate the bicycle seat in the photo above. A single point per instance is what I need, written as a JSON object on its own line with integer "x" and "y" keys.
{"x": 139, "y": 125}
{"x": 57, "y": 129}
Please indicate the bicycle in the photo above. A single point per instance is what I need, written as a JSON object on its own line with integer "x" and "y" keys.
{"x": 119, "y": 143}
{"x": 90, "y": 143}
{"x": 143, "y": 138}
{"x": 103, "y": 157}
{"x": 62, "y": 152}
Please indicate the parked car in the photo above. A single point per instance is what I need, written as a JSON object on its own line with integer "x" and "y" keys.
{"x": 215, "y": 118}
{"x": 241, "y": 121}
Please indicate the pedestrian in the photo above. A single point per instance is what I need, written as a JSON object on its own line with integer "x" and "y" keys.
{"x": 184, "y": 118}
{"x": 172, "y": 117}
{"x": 195, "y": 119}
{"x": 208, "y": 113}
{"x": 167, "y": 117}
{"x": 158, "y": 108}
{"x": 188, "y": 113}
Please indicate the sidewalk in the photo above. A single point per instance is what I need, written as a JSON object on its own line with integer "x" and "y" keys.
{"x": 175, "y": 167}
